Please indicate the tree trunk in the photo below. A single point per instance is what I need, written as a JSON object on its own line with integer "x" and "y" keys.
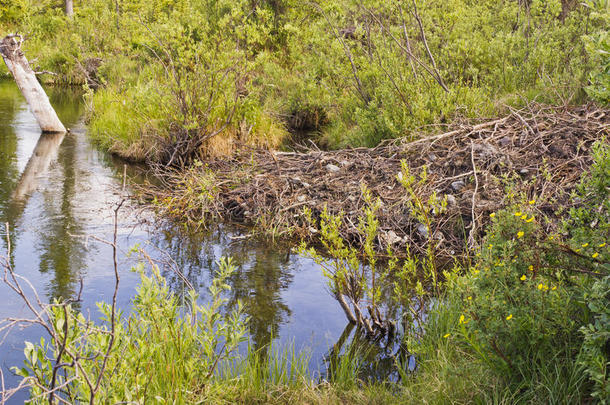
{"x": 17, "y": 64}
{"x": 69, "y": 8}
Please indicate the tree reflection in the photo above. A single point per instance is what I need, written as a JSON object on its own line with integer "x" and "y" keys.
{"x": 9, "y": 172}
{"x": 258, "y": 284}
{"x": 376, "y": 360}
{"x": 61, "y": 253}
{"x": 263, "y": 273}
{"x": 45, "y": 151}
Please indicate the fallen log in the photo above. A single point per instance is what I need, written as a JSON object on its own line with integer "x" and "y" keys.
{"x": 25, "y": 77}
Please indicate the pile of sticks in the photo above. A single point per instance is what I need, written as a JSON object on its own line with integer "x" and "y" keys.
{"x": 538, "y": 153}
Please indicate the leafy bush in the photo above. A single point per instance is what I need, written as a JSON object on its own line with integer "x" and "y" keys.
{"x": 598, "y": 47}
{"x": 354, "y": 72}
{"x": 521, "y": 311}
{"x": 161, "y": 351}
{"x": 535, "y": 307}
{"x": 596, "y": 347}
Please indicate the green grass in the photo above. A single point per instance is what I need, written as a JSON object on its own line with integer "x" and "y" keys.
{"x": 281, "y": 66}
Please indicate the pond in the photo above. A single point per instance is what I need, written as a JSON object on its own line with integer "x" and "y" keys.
{"x": 55, "y": 191}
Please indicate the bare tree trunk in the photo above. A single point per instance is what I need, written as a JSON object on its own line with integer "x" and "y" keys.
{"x": 25, "y": 77}
{"x": 118, "y": 14}
{"x": 69, "y": 8}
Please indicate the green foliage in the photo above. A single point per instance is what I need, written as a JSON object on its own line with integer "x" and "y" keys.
{"x": 596, "y": 350}
{"x": 521, "y": 311}
{"x": 589, "y": 228}
{"x": 160, "y": 351}
{"x": 598, "y": 47}
{"x": 345, "y": 272}
{"x": 534, "y": 307}
{"x": 589, "y": 223}
{"x": 176, "y": 73}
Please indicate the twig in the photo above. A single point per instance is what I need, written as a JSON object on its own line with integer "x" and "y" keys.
{"x": 439, "y": 79}
{"x": 472, "y": 243}
{"x": 365, "y": 97}
{"x": 117, "y": 279}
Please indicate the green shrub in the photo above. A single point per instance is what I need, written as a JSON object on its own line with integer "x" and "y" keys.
{"x": 522, "y": 311}
{"x": 598, "y": 47}
{"x": 161, "y": 351}
{"x": 534, "y": 306}
{"x": 596, "y": 347}
{"x": 343, "y": 69}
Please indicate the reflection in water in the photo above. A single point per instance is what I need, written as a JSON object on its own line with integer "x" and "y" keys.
{"x": 9, "y": 172}
{"x": 44, "y": 152}
{"x": 263, "y": 275}
{"x": 284, "y": 295}
{"x": 376, "y": 360}
{"x": 259, "y": 283}
{"x": 60, "y": 255}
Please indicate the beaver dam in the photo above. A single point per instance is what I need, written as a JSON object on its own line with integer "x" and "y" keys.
{"x": 537, "y": 153}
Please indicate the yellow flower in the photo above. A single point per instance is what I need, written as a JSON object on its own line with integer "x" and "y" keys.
{"x": 508, "y": 318}
{"x": 520, "y": 234}
{"x": 523, "y": 278}
{"x": 585, "y": 244}
{"x": 492, "y": 215}
{"x": 551, "y": 237}
{"x": 530, "y": 220}
{"x": 518, "y": 214}
{"x": 447, "y": 335}
{"x": 462, "y": 317}
{"x": 540, "y": 286}
{"x": 594, "y": 255}
{"x": 532, "y": 202}
{"x": 531, "y": 268}
{"x": 469, "y": 297}
{"x": 475, "y": 272}
{"x": 554, "y": 288}
{"x": 577, "y": 250}
{"x": 602, "y": 244}
{"x": 490, "y": 246}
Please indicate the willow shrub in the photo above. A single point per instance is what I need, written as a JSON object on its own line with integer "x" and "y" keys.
{"x": 339, "y": 68}
{"x": 535, "y": 305}
{"x": 161, "y": 351}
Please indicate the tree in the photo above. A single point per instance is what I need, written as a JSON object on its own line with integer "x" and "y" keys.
{"x": 69, "y": 8}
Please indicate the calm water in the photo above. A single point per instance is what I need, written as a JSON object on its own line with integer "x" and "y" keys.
{"x": 55, "y": 190}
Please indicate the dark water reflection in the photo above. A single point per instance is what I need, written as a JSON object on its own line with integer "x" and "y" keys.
{"x": 53, "y": 191}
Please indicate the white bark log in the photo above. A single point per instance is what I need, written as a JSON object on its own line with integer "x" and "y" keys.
{"x": 17, "y": 64}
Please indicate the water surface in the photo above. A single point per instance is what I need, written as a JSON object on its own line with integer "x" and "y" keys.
{"x": 57, "y": 190}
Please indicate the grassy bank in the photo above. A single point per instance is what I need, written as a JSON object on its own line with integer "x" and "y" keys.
{"x": 188, "y": 79}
